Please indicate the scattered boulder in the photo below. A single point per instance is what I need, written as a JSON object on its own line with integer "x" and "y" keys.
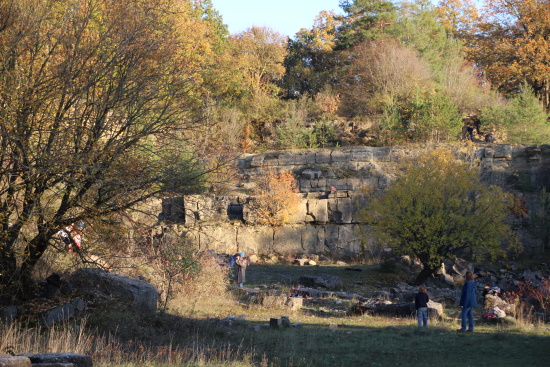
{"x": 94, "y": 283}
{"x": 14, "y": 361}
{"x": 279, "y": 323}
{"x": 253, "y": 259}
{"x": 282, "y": 301}
{"x": 75, "y": 359}
{"x": 64, "y": 312}
{"x": 398, "y": 309}
{"x": 492, "y": 301}
{"x": 323, "y": 281}
{"x": 227, "y": 322}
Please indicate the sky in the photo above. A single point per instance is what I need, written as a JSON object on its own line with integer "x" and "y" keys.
{"x": 283, "y": 16}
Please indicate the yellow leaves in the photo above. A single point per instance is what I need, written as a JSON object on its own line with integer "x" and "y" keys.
{"x": 457, "y": 16}
{"x": 276, "y": 198}
{"x": 258, "y": 53}
{"x": 513, "y": 44}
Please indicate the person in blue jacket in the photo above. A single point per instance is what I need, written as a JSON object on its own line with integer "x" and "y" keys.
{"x": 468, "y": 300}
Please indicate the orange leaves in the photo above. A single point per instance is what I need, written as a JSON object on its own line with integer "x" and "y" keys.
{"x": 275, "y": 198}
{"x": 512, "y": 45}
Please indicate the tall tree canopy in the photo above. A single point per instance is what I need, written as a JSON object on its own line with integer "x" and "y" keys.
{"x": 512, "y": 45}
{"x": 439, "y": 209}
{"x": 89, "y": 91}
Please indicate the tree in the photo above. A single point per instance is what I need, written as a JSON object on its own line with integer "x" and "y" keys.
{"x": 457, "y": 17}
{"x": 526, "y": 121}
{"x": 276, "y": 198}
{"x": 364, "y": 20}
{"x": 311, "y": 61}
{"x": 438, "y": 209}
{"x": 259, "y": 53}
{"x": 92, "y": 94}
{"x": 511, "y": 44}
{"x": 381, "y": 69}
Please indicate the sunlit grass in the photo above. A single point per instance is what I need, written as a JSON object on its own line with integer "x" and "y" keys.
{"x": 323, "y": 333}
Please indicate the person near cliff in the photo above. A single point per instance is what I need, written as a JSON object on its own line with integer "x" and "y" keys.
{"x": 233, "y": 258}
{"x": 241, "y": 263}
{"x": 468, "y": 301}
{"x": 421, "y": 303}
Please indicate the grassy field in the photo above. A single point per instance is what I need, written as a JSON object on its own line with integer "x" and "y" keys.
{"x": 325, "y": 334}
{"x": 366, "y": 340}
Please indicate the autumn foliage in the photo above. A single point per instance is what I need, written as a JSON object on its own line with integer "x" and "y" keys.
{"x": 275, "y": 199}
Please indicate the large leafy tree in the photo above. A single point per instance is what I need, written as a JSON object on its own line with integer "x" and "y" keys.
{"x": 364, "y": 20}
{"x": 512, "y": 45}
{"x": 457, "y": 17}
{"x": 311, "y": 62}
{"x": 90, "y": 90}
{"x": 439, "y": 209}
{"x": 258, "y": 53}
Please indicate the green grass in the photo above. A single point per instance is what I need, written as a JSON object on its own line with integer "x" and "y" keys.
{"x": 187, "y": 336}
{"x": 372, "y": 341}
{"x": 369, "y": 341}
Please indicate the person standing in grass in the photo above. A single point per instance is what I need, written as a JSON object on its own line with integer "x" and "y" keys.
{"x": 421, "y": 302}
{"x": 241, "y": 263}
{"x": 468, "y": 300}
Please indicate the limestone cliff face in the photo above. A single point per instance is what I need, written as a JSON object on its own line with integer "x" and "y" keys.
{"x": 332, "y": 185}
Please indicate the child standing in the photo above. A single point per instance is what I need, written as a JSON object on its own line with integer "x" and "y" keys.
{"x": 421, "y": 302}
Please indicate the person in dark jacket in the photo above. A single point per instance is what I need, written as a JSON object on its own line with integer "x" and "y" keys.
{"x": 468, "y": 300}
{"x": 241, "y": 263}
{"x": 421, "y": 303}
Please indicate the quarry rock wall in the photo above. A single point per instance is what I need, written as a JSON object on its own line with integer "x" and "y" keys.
{"x": 332, "y": 185}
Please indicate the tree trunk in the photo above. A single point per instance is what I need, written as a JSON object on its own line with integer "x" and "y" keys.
{"x": 423, "y": 276}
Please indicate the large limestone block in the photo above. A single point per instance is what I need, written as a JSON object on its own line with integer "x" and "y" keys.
{"x": 331, "y": 239}
{"x": 147, "y": 214}
{"x": 287, "y": 240}
{"x": 257, "y": 161}
{"x": 342, "y": 240}
{"x": 317, "y": 210}
{"x": 362, "y": 156}
{"x": 312, "y": 239}
{"x": 271, "y": 159}
{"x": 63, "y": 313}
{"x": 136, "y": 293}
{"x": 382, "y": 155}
{"x": 307, "y": 185}
{"x": 299, "y": 214}
{"x": 258, "y": 239}
{"x": 287, "y": 159}
{"x": 349, "y": 243}
{"x": 323, "y": 157}
{"x": 340, "y": 156}
{"x": 338, "y": 183}
{"x": 503, "y": 152}
{"x": 340, "y": 210}
{"x": 301, "y": 158}
{"x": 221, "y": 237}
{"x": 192, "y": 206}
